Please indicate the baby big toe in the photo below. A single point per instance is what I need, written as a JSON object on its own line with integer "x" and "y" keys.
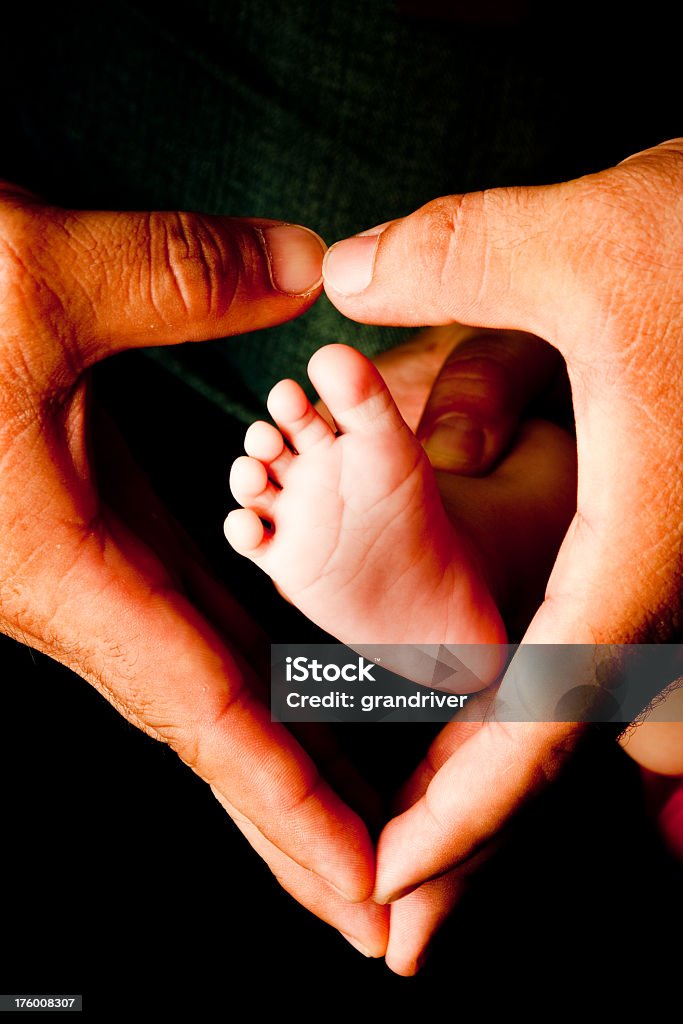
{"x": 354, "y": 391}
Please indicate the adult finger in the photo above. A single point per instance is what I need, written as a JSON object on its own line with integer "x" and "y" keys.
{"x": 494, "y": 772}
{"x": 495, "y": 258}
{"x": 480, "y": 395}
{"x": 365, "y": 925}
{"x": 571, "y": 262}
{"x": 119, "y": 280}
{"x": 417, "y": 917}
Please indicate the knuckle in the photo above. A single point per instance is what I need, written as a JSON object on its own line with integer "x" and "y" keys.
{"x": 441, "y": 222}
{"x": 464, "y": 240}
{"x": 200, "y": 266}
{"x": 445, "y": 230}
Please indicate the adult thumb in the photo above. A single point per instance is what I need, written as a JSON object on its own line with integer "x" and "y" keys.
{"x": 117, "y": 280}
{"x": 496, "y": 259}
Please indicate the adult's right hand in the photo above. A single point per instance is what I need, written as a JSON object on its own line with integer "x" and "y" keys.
{"x": 86, "y": 584}
{"x": 594, "y": 267}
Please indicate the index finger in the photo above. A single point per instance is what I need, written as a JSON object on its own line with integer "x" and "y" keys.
{"x": 468, "y": 800}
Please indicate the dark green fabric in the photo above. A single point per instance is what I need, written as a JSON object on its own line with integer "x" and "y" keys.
{"x": 335, "y": 115}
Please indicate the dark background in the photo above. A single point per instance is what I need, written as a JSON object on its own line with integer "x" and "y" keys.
{"x": 121, "y": 876}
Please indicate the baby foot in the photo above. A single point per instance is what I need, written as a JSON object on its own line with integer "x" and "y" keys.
{"x": 357, "y": 537}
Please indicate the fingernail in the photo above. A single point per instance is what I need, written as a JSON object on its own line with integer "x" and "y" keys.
{"x": 356, "y": 944}
{"x": 395, "y": 894}
{"x": 348, "y": 265}
{"x": 455, "y": 443}
{"x": 295, "y": 256}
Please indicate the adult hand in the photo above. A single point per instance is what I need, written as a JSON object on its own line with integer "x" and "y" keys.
{"x": 106, "y": 590}
{"x": 594, "y": 267}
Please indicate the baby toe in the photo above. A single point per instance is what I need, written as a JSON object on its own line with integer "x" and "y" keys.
{"x": 250, "y": 485}
{"x": 244, "y": 531}
{"x": 297, "y": 419}
{"x": 264, "y": 442}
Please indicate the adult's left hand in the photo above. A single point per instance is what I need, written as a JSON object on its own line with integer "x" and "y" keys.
{"x": 91, "y": 570}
